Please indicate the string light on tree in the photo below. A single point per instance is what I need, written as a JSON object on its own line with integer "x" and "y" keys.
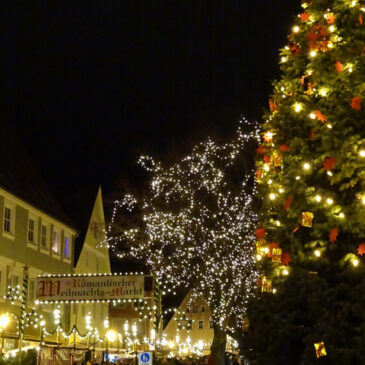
{"x": 195, "y": 226}
{"x": 321, "y": 121}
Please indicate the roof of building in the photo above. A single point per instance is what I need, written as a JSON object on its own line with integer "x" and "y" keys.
{"x": 79, "y": 206}
{"x": 20, "y": 177}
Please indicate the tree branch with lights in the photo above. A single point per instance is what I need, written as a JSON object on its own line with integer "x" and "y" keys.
{"x": 195, "y": 228}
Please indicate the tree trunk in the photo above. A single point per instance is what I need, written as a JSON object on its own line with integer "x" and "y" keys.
{"x": 218, "y": 347}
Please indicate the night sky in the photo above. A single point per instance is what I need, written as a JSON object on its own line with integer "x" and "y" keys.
{"x": 89, "y": 85}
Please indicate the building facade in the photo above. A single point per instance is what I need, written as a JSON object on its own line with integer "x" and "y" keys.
{"x": 92, "y": 257}
{"x": 190, "y": 329}
{"x": 32, "y": 237}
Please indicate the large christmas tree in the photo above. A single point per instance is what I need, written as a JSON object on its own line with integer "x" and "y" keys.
{"x": 311, "y": 170}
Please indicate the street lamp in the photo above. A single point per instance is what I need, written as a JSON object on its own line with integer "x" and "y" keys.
{"x": 57, "y": 317}
{"x": 4, "y": 321}
{"x": 110, "y": 336}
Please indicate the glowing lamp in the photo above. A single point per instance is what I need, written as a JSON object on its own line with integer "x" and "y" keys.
{"x": 313, "y": 53}
{"x": 4, "y": 321}
{"x": 298, "y": 107}
{"x": 317, "y": 253}
{"x": 111, "y": 335}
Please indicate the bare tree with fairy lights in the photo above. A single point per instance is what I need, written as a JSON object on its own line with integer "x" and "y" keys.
{"x": 195, "y": 228}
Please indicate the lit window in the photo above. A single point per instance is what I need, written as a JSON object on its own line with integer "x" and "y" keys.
{"x": 31, "y": 226}
{"x": 55, "y": 243}
{"x": 7, "y": 220}
{"x": 66, "y": 247}
{"x": 44, "y": 240}
{"x": 201, "y": 325}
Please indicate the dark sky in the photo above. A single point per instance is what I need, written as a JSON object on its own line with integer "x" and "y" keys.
{"x": 89, "y": 85}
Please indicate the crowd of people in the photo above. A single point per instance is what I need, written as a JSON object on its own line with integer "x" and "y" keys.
{"x": 230, "y": 359}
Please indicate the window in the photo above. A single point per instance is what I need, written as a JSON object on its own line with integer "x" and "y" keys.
{"x": 203, "y": 309}
{"x": 67, "y": 247}
{"x": 189, "y": 324}
{"x": 56, "y": 242}
{"x": 195, "y": 308}
{"x": 44, "y": 236}
{"x": 7, "y": 220}
{"x": 31, "y": 226}
{"x": 15, "y": 280}
{"x": 201, "y": 324}
{"x": 187, "y": 309}
{"x": 95, "y": 229}
{"x": 211, "y": 324}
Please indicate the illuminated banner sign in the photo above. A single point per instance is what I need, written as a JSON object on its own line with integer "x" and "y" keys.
{"x": 89, "y": 288}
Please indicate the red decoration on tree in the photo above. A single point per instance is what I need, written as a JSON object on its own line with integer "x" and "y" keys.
{"x": 360, "y": 19}
{"x": 339, "y": 66}
{"x": 294, "y": 49}
{"x": 271, "y": 246}
{"x": 285, "y": 258}
{"x": 267, "y": 159}
{"x": 302, "y": 79}
{"x": 312, "y": 36}
{"x": 304, "y": 17}
{"x": 361, "y": 249}
{"x": 260, "y": 233}
{"x": 356, "y": 103}
{"x": 272, "y": 105}
{"x": 284, "y": 148}
{"x": 330, "y": 18}
{"x": 329, "y": 163}
{"x": 287, "y": 203}
{"x": 321, "y": 117}
{"x": 333, "y": 235}
{"x": 311, "y": 134}
{"x": 260, "y": 150}
{"x": 258, "y": 175}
